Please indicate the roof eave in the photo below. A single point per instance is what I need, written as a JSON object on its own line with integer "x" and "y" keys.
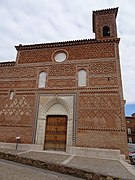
{"x": 62, "y": 44}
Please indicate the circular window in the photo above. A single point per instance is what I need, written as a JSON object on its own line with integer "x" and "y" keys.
{"x": 60, "y": 56}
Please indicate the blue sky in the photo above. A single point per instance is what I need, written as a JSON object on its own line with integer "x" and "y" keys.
{"x": 129, "y": 109}
{"x": 42, "y": 21}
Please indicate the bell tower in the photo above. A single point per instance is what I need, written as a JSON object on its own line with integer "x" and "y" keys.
{"x": 104, "y": 23}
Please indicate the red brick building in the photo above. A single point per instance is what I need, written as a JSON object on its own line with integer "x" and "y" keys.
{"x": 66, "y": 95}
{"x": 130, "y": 121}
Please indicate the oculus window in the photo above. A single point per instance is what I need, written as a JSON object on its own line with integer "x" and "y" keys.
{"x": 60, "y": 56}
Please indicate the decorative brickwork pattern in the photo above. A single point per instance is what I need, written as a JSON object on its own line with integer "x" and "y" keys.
{"x": 62, "y": 70}
{"x": 102, "y": 67}
{"x": 100, "y": 102}
{"x": 18, "y": 84}
{"x": 99, "y": 119}
{"x": 18, "y": 72}
{"x": 16, "y": 113}
{"x": 89, "y": 51}
{"x": 92, "y": 51}
{"x": 39, "y": 55}
{"x": 17, "y": 109}
{"x": 103, "y": 81}
{"x": 61, "y": 83}
{"x": 99, "y": 112}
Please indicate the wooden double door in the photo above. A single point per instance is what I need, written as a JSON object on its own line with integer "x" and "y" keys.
{"x": 56, "y": 133}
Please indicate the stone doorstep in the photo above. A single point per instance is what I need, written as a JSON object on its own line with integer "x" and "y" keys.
{"x": 61, "y": 168}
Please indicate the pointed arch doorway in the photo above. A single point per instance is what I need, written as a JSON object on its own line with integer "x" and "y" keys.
{"x": 51, "y": 107}
{"x": 56, "y": 132}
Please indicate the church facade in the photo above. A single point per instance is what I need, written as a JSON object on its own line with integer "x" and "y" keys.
{"x": 66, "y": 96}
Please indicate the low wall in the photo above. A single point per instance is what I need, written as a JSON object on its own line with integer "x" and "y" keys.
{"x": 28, "y": 147}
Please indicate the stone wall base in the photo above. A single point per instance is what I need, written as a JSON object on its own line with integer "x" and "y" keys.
{"x": 77, "y": 151}
{"x": 28, "y": 147}
{"x": 96, "y": 153}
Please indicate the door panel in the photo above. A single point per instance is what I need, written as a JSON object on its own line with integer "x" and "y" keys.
{"x": 56, "y": 130}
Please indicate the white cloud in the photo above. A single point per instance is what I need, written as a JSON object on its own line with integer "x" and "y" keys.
{"x": 28, "y": 22}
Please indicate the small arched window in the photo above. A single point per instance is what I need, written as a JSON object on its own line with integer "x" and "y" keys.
{"x": 42, "y": 80}
{"x": 129, "y": 130}
{"x": 11, "y": 95}
{"x": 82, "y": 78}
{"x": 106, "y": 31}
{"x": 130, "y": 139}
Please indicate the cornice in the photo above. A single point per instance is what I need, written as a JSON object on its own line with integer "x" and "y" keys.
{"x": 106, "y": 11}
{"x": 107, "y": 90}
{"x": 9, "y": 63}
{"x": 101, "y": 129}
{"x": 65, "y": 43}
{"x": 130, "y": 117}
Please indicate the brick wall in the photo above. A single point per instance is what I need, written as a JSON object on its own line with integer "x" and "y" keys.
{"x": 17, "y": 118}
{"x": 102, "y": 139}
{"x": 75, "y": 52}
{"x": 130, "y": 123}
{"x": 99, "y": 111}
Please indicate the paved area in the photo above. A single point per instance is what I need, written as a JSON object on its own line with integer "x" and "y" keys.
{"x": 105, "y": 167}
{"x": 114, "y": 168}
{"x": 14, "y": 171}
{"x": 46, "y": 156}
